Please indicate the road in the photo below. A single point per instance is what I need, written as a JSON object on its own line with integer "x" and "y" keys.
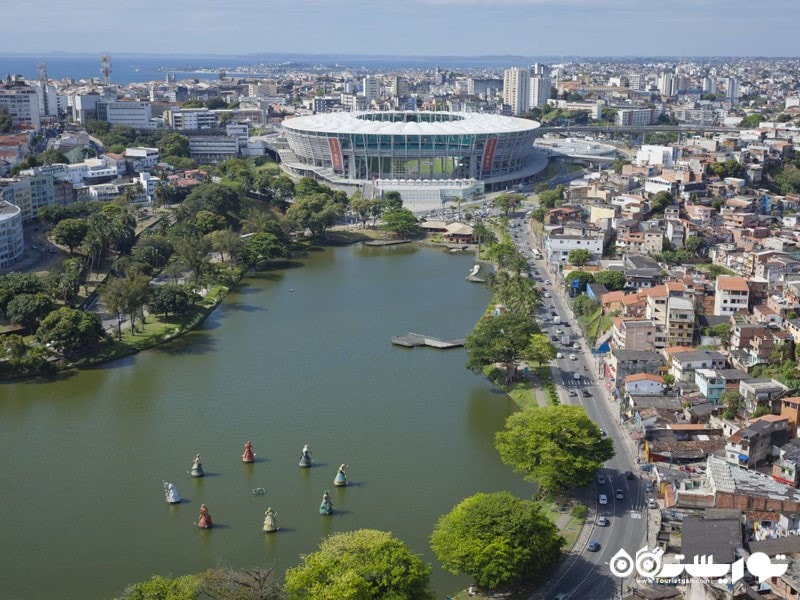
{"x": 588, "y": 577}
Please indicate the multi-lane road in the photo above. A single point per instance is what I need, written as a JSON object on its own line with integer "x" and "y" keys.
{"x": 587, "y": 575}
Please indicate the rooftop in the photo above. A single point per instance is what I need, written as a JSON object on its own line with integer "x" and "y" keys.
{"x": 732, "y": 284}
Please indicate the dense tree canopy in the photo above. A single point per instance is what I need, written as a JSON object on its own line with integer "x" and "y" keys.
{"x": 613, "y": 280}
{"x": 556, "y": 446}
{"x": 359, "y": 565}
{"x": 496, "y": 539}
{"x": 579, "y": 257}
{"x": 28, "y": 310}
{"x": 401, "y": 222}
{"x": 73, "y": 333}
{"x": 502, "y": 339}
{"x": 71, "y": 233}
{"x": 582, "y": 277}
{"x": 316, "y": 213}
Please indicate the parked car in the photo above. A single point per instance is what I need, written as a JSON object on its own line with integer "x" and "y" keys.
{"x": 559, "y": 355}
{"x": 586, "y": 393}
{"x": 619, "y": 494}
{"x": 573, "y": 394}
{"x": 651, "y": 503}
{"x": 601, "y": 479}
{"x": 593, "y": 546}
{"x": 576, "y": 345}
{"x": 553, "y": 338}
{"x": 602, "y": 521}
{"x": 573, "y": 357}
{"x": 602, "y": 499}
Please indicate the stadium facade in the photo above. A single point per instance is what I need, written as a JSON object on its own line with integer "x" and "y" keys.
{"x": 428, "y": 150}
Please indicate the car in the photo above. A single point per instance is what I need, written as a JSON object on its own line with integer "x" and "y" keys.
{"x": 602, "y": 521}
{"x": 559, "y": 355}
{"x": 629, "y": 475}
{"x": 573, "y": 357}
{"x": 576, "y": 346}
{"x": 593, "y": 546}
{"x": 547, "y": 282}
{"x": 553, "y": 338}
{"x": 603, "y": 432}
{"x": 651, "y": 503}
{"x": 586, "y": 393}
{"x": 573, "y": 394}
{"x": 601, "y": 479}
{"x": 558, "y": 330}
{"x": 649, "y": 487}
{"x": 554, "y": 313}
{"x": 566, "y": 324}
{"x": 546, "y": 294}
{"x": 619, "y": 494}
{"x": 576, "y": 376}
{"x": 602, "y": 499}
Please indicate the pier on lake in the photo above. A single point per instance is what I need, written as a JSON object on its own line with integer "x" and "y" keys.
{"x": 412, "y": 340}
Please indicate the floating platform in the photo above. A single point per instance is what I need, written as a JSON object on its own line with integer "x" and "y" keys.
{"x": 412, "y": 340}
{"x": 386, "y": 242}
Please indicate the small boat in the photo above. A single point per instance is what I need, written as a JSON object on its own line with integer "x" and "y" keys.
{"x": 326, "y": 506}
{"x": 171, "y": 494}
{"x": 341, "y": 477}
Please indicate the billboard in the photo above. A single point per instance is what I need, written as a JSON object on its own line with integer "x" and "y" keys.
{"x": 488, "y": 154}
{"x": 336, "y": 154}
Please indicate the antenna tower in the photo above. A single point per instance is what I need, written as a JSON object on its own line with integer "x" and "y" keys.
{"x": 42, "y": 69}
{"x": 105, "y": 68}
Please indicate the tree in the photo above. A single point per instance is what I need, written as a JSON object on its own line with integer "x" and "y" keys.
{"x": 558, "y": 447}
{"x": 71, "y": 233}
{"x": 720, "y": 330}
{"x": 5, "y": 121}
{"x": 502, "y": 339}
{"x": 14, "y": 284}
{"x": 359, "y": 565}
{"x": 52, "y": 156}
{"x": 584, "y": 306}
{"x": 583, "y": 278}
{"x": 508, "y": 202}
{"x": 174, "y": 144}
{"x": 401, "y": 222}
{"x": 167, "y": 299}
{"x": 71, "y": 332}
{"x": 483, "y": 233}
{"x": 193, "y": 252}
{"x": 157, "y": 587}
{"x": 519, "y": 294}
{"x": 240, "y": 584}
{"x": 579, "y": 257}
{"x": 208, "y": 222}
{"x": 550, "y": 199}
{"x": 226, "y": 241}
{"x": 496, "y": 539}
{"x": 501, "y": 253}
{"x": 751, "y": 121}
{"x": 392, "y": 201}
{"x": 733, "y": 402}
{"x": 261, "y": 247}
{"x": 660, "y": 202}
{"x": 613, "y": 280}
{"x": 28, "y": 310}
{"x": 540, "y": 350}
{"x": 316, "y": 212}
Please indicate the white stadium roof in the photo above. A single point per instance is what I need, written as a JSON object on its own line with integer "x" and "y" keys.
{"x": 464, "y": 123}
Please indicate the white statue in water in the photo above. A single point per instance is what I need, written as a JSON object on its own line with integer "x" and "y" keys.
{"x": 171, "y": 494}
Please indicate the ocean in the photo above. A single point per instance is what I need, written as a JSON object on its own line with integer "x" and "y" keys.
{"x": 128, "y": 68}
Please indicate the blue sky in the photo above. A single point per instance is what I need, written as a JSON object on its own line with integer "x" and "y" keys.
{"x": 407, "y": 27}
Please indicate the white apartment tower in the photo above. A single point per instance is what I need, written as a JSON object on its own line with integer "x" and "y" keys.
{"x": 732, "y": 89}
{"x": 516, "y": 90}
{"x": 371, "y": 87}
{"x": 539, "y": 84}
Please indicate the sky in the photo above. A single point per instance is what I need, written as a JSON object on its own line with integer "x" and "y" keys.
{"x": 406, "y": 27}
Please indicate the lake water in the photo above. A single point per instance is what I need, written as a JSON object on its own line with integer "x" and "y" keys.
{"x": 301, "y": 356}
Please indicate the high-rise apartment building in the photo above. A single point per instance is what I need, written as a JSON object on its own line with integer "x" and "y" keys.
{"x": 20, "y": 102}
{"x": 539, "y": 84}
{"x": 516, "y": 90}
{"x": 371, "y": 87}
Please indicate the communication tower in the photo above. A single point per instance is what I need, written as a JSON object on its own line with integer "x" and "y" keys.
{"x": 105, "y": 68}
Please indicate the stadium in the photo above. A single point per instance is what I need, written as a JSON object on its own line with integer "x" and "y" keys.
{"x": 430, "y": 157}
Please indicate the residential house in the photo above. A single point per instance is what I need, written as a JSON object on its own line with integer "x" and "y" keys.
{"x": 750, "y": 446}
{"x": 684, "y": 364}
{"x": 636, "y": 334}
{"x": 710, "y": 384}
{"x": 731, "y": 295}
{"x": 621, "y": 363}
{"x": 644, "y": 384}
{"x": 641, "y": 272}
{"x": 786, "y": 468}
{"x": 762, "y": 392}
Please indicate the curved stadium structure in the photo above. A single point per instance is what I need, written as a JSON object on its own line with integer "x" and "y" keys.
{"x": 413, "y": 148}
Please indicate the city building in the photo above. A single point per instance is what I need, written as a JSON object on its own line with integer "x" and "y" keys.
{"x": 516, "y": 90}
{"x": 731, "y": 295}
{"x": 12, "y": 244}
{"x": 132, "y": 114}
{"x": 190, "y": 118}
{"x": 21, "y": 103}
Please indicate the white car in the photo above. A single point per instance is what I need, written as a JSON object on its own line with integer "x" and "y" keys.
{"x": 559, "y": 355}
{"x": 602, "y": 499}
{"x": 547, "y": 282}
{"x": 573, "y": 357}
{"x": 576, "y": 346}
